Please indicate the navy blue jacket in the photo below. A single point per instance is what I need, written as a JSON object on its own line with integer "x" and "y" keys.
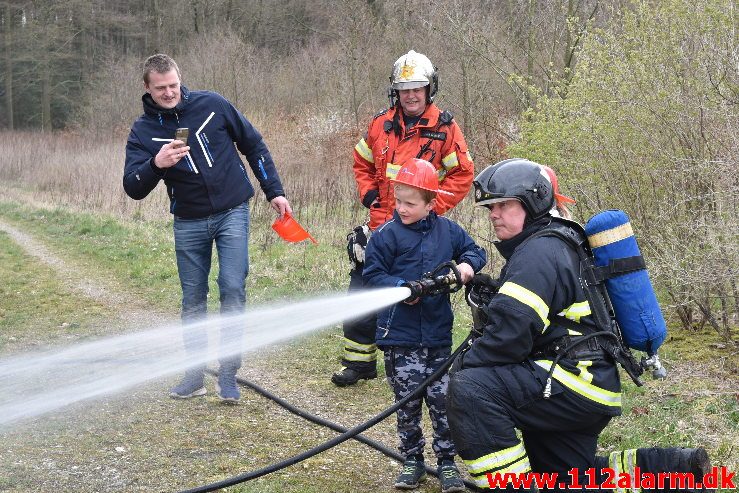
{"x": 211, "y": 178}
{"x": 397, "y": 253}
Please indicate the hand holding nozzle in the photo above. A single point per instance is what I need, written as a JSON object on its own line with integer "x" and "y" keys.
{"x": 433, "y": 284}
{"x": 479, "y": 294}
{"x": 416, "y": 291}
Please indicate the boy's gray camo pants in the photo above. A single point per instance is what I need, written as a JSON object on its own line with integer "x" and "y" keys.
{"x": 406, "y": 369}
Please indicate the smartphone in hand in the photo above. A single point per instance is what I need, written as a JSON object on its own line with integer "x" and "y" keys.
{"x": 182, "y": 134}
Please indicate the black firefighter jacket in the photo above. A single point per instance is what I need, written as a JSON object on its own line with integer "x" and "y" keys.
{"x": 540, "y": 280}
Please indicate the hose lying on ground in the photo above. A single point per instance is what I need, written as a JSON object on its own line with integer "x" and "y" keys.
{"x": 346, "y": 434}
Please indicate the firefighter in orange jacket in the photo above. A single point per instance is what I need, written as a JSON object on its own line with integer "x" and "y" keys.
{"x": 413, "y": 127}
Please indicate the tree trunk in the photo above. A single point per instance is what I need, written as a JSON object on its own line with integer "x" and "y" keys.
{"x": 569, "y": 49}
{"x": 530, "y": 41}
{"x": 466, "y": 110}
{"x": 705, "y": 309}
{"x": 45, "y": 97}
{"x": 9, "y": 67}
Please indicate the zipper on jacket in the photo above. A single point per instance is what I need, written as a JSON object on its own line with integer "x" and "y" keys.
{"x": 389, "y": 320}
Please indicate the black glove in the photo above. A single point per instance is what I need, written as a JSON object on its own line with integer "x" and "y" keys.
{"x": 480, "y": 292}
{"x": 370, "y": 197}
{"x": 356, "y": 243}
{"x": 486, "y": 280}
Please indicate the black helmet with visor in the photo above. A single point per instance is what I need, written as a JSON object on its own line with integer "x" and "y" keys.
{"x": 519, "y": 179}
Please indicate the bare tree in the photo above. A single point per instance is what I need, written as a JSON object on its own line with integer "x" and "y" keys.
{"x": 9, "y": 19}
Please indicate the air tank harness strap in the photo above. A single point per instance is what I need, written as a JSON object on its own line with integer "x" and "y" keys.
{"x": 582, "y": 348}
{"x": 604, "y": 340}
{"x": 618, "y": 267}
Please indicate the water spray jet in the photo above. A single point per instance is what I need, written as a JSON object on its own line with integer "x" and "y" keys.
{"x": 38, "y": 383}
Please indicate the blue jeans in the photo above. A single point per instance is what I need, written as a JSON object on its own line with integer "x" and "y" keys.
{"x": 194, "y": 240}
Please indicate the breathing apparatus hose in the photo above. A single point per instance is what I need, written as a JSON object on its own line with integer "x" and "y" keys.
{"x": 346, "y": 435}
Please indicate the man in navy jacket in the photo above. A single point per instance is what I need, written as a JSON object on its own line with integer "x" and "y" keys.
{"x": 209, "y": 191}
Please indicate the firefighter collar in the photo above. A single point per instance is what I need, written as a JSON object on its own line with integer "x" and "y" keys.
{"x": 506, "y": 248}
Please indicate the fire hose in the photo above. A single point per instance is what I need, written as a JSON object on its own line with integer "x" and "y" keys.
{"x": 346, "y": 435}
{"x": 444, "y": 283}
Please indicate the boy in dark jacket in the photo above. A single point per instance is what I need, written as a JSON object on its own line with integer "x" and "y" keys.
{"x": 416, "y": 335}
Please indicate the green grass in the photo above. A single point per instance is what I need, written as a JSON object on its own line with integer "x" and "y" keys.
{"x": 36, "y": 307}
{"x": 140, "y": 254}
{"x": 175, "y": 445}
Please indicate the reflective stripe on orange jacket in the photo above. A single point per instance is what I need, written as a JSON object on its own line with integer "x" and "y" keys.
{"x": 382, "y": 152}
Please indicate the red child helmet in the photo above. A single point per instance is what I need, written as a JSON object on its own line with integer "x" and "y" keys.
{"x": 419, "y": 173}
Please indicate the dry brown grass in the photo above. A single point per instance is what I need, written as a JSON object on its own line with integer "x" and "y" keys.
{"x": 314, "y": 158}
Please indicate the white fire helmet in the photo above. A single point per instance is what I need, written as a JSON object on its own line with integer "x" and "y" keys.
{"x": 414, "y": 70}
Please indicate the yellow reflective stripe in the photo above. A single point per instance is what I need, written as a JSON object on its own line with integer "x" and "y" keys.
{"x": 350, "y": 356}
{"x": 630, "y": 456}
{"x": 496, "y": 460}
{"x": 519, "y": 467}
{"x": 610, "y": 236}
{"x": 481, "y": 481}
{"x": 615, "y": 462}
{"x": 579, "y": 385}
{"x": 576, "y": 311}
{"x": 571, "y": 332}
{"x": 584, "y": 373}
{"x": 392, "y": 170}
{"x": 349, "y": 344}
{"x": 450, "y": 161}
{"x": 441, "y": 174}
{"x": 528, "y": 298}
{"x": 630, "y": 464}
{"x": 363, "y": 150}
{"x": 623, "y": 462}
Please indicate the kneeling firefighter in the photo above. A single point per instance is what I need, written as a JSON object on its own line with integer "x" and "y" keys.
{"x": 533, "y": 367}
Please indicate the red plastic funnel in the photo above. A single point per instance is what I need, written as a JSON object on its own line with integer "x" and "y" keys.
{"x": 289, "y": 229}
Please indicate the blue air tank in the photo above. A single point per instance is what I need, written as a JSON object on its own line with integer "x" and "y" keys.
{"x": 634, "y": 302}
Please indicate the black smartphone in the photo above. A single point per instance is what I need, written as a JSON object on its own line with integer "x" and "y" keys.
{"x": 182, "y": 134}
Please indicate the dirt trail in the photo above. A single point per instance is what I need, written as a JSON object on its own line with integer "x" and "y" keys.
{"x": 121, "y": 304}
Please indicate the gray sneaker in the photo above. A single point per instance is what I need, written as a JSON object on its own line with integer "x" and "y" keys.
{"x": 190, "y": 386}
{"x": 228, "y": 390}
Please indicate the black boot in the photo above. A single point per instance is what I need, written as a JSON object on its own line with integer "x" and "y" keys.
{"x": 350, "y": 376}
{"x": 657, "y": 460}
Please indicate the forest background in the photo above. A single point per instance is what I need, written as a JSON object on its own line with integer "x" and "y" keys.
{"x": 633, "y": 103}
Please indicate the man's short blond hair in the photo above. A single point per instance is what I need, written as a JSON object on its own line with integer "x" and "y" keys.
{"x": 161, "y": 64}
